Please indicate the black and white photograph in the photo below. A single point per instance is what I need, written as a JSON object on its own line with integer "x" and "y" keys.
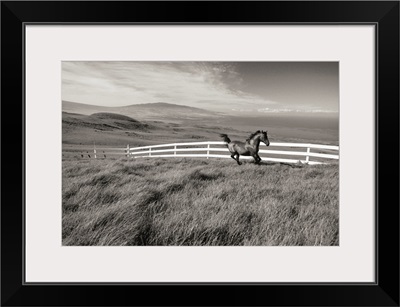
{"x": 200, "y": 153}
{"x": 245, "y": 153}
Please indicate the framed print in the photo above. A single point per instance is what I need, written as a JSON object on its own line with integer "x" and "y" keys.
{"x": 245, "y": 148}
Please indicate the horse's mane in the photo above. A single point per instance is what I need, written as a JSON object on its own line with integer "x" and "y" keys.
{"x": 253, "y": 135}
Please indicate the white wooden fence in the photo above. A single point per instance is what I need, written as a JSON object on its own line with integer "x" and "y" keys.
{"x": 204, "y": 149}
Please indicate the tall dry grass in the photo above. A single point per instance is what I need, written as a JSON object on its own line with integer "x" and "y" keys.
{"x": 198, "y": 202}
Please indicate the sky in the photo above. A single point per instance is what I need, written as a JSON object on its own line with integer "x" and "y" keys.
{"x": 230, "y": 87}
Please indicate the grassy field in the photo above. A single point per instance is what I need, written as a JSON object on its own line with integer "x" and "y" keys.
{"x": 198, "y": 202}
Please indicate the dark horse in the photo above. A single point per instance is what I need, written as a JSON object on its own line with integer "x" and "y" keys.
{"x": 248, "y": 148}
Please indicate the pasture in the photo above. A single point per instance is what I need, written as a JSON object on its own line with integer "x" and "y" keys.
{"x": 197, "y": 202}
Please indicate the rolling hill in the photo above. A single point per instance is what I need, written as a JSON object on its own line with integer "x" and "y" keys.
{"x": 101, "y": 128}
{"x": 153, "y": 123}
{"x": 107, "y": 128}
{"x": 147, "y": 111}
{"x": 102, "y": 121}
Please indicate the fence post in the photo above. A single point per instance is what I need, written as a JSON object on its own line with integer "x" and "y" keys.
{"x": 150, "y": 152}
{"x": 175, "y": 150}
{"x": 308, "y": 157}
{"x": 127, "y": 151}
{"x": 95, "y": 156}
{"x": 208, "y": 150}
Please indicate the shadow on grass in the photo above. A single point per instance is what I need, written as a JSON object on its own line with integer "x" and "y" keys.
{"x": 292, "y": 165}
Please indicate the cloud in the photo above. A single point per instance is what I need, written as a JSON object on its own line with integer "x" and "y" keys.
{"x": 203, "y": 84}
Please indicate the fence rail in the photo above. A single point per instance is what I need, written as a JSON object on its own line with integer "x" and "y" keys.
{"x": 160, "y": 150}
{"x": 286, "y": 152}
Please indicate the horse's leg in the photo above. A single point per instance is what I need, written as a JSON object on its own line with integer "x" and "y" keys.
{"x": 255, "y": 159}
{"x": 258, "y": 158}
{"x": 237, "y": 159}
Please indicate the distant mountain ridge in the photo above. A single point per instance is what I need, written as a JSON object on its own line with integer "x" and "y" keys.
{"x": 146, "y": 111}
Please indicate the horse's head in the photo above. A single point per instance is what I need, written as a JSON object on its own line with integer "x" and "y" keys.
{"x": 264, "y": 137}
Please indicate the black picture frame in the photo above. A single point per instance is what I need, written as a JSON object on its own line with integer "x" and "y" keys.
{"x": 383, "y": 14}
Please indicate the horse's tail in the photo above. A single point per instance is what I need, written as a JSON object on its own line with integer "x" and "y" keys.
{"x": 225, "y": 137}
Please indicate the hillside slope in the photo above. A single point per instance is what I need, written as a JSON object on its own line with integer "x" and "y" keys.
{"x": 198, "y": 202}
{"x": 102, "y": 121}
{"x": 147, "y": 111}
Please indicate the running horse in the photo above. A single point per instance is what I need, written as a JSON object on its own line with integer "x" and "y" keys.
{"x": 248, "y": 148}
